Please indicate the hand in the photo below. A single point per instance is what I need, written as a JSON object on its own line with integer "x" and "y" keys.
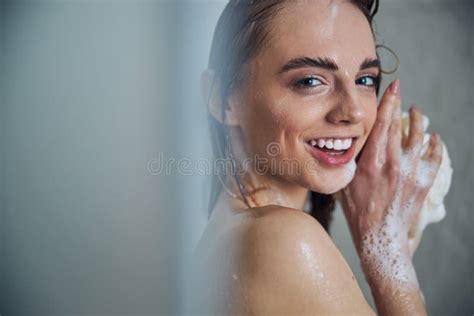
{"x": 390, "y": 184}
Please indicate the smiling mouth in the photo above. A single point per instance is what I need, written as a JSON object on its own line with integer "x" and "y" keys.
{"x": 333, "y": 146}
{"x": 333, "y": 152}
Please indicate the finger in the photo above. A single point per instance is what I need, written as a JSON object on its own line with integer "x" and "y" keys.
{"x": 378, "y": 135}
{"x": 405, "y": 116}
{"x": 414, "y": 140}
{"x": 435, "y": 150}
{"x": 394, "y": 149}
{"x": 429, "y": 165}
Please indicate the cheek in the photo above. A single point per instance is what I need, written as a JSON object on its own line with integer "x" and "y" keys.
{"x": 261, "y": 122}
{"x": 291, "y": 118}
{"x": 296, "y": 114}
{"x": 271, "y": 116}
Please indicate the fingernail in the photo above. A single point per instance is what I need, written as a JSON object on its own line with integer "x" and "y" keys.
{"x": 395, "y": 87}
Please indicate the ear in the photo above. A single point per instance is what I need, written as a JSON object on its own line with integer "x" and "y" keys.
{"x": 210, "y": 90}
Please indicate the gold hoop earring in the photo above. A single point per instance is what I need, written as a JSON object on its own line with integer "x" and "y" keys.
{"x": 394, "y": 54}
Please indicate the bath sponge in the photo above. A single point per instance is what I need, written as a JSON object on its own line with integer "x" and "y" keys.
{"x": 433, "y": 209}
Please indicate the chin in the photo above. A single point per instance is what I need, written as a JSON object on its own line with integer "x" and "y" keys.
{"x": 331, "y": 181}
{"x": 328, "y": 188}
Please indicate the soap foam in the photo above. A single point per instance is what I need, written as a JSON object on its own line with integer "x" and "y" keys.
{"x": 433, "y": 209}
{"x": 351, "y": 169}
{"x": 426, "y": 173}
{"x": 382, "y": 252}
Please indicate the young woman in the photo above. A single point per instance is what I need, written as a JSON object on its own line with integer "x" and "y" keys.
{"x": 291, "y": 91}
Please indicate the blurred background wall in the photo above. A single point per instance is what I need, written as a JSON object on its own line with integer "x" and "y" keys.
{"x": 2, "y": 153}
{"x": 93, "y": 92}
{"x": 88, "y": 98}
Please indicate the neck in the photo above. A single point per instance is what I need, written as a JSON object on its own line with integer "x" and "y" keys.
{"x": 260, "y": 191}
{"x": 255, "y": 189}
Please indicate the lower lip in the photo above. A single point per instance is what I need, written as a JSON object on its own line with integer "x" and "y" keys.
{"x": 336, "y": 160}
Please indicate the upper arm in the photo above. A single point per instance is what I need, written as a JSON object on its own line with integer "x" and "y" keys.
{"x": 288, "y": 264}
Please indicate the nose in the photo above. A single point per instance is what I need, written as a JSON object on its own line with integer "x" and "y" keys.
{"x": 347, "y": 108}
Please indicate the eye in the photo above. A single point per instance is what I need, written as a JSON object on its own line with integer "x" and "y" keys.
{"x": 308, "y": 83}
{"x": 368, "y": 81}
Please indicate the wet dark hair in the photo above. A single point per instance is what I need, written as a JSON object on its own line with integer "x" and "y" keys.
{"x": 241, "y": 32}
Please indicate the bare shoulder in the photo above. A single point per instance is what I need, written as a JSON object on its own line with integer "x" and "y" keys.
{"x": 290, "y": 263}
{"x": 278, "y": 259}
{"x": 285, "y": 235}
{"x": 281, "y": 221}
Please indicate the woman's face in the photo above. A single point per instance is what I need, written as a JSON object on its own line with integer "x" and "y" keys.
{"x": 311, "y": 82}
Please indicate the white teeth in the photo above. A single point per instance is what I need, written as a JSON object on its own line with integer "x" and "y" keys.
{"x": 347, "y": 143}
{"x": 329, "y": 144}
{"x": 337, "y": 144}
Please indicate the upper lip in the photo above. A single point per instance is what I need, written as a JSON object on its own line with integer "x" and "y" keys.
{"x": 335, "y": 136}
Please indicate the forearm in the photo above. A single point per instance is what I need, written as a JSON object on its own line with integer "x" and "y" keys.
{"x": 393, "y": 297}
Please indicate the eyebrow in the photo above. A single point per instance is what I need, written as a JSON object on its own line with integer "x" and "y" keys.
{"x": 325, "y": 63}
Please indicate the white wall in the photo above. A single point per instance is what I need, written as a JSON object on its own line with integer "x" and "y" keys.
{"x": 88, "y": 102}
